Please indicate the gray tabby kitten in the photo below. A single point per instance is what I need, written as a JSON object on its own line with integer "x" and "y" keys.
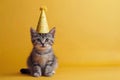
{"x": 42, "y": 61}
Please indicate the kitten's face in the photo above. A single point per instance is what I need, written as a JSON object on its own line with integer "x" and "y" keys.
{"x": 42, "y": 41}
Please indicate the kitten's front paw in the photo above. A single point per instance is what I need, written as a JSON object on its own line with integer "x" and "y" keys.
{"x": 49, "y": 74}
{"x": 36, "y": 74}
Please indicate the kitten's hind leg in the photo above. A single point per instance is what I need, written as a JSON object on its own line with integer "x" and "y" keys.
{"x": 36, "y": 71}
{"x": 50, "y": 68}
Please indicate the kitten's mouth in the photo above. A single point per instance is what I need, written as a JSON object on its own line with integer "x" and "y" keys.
{"x": 41, "y": 47}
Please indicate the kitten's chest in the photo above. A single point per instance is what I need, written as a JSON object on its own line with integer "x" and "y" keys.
{"x": 41, "y": 59}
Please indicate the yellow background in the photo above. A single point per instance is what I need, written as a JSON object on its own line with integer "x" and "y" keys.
{"x": 87, "y": 33}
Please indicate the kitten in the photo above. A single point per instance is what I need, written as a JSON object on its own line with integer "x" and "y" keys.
{"x": 42, "y": 61}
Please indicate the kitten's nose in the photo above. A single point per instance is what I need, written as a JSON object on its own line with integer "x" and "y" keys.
{"x": 43, "y": 45}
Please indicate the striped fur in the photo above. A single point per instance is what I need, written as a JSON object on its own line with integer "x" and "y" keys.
{"x": 42, "y": 60}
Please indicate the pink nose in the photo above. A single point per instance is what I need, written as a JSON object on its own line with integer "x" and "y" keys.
{"x": 43, "y": 45}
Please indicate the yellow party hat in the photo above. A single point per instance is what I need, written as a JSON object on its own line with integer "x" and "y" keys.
{"x": 42, "y": 26}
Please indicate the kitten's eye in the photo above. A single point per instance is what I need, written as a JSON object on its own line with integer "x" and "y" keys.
{"x": 46, "y": 39}
{"x": 38, "y": 39}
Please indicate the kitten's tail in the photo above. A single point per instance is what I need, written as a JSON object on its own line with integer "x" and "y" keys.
{"x": 25, "y": 71}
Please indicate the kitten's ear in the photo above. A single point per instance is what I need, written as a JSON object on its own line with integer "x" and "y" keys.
{"x": 33, "y": 32}
{"x": 52, "y": 31}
